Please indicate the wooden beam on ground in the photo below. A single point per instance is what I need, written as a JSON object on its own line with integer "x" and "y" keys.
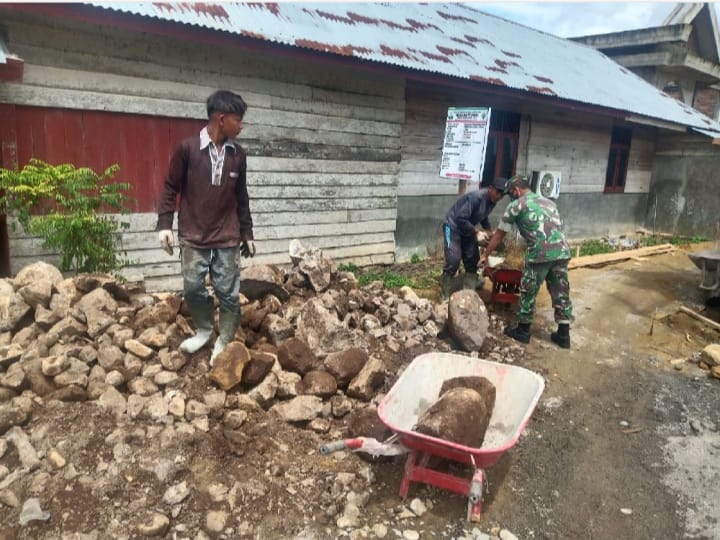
{"x": 617, "y": 256}
{"x": 699, "y": 317}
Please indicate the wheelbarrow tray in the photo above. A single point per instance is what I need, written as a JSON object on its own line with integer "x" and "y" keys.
{"x": 517, "y": 391}
{"x": 505, "y": 284}
{"x": 708, "y": 260}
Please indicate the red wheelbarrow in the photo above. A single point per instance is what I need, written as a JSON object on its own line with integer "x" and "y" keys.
{"x": 505, "y": 284}
{"x": 517, "y": 393}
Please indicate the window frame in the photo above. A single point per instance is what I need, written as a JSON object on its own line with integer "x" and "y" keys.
{"x": 504, "y": 127}
{"x": 618, "y": 160}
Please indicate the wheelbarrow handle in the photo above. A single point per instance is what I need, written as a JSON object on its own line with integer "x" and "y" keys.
{"x": 335, "y": 446}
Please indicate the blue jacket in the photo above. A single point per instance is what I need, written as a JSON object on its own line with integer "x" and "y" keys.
{"x": 471, "y": 208}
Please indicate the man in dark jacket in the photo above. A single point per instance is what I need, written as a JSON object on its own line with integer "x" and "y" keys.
{"x": 460, "y": 240}
{"x": 208, "y": 172}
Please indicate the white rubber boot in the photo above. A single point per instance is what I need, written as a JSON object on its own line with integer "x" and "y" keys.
{"x": 202, "y": 318}
{"x": 197, "y": 342}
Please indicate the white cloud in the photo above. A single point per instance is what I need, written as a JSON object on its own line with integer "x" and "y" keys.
{"x": 568, "y": 19}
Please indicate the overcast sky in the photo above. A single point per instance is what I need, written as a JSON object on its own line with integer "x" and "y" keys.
{"x": 567, "y": 19}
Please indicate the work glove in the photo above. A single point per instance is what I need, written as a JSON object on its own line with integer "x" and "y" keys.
{"x": 247, "y": 248}
{"x": 482, "y": 236}
{"x": 166, "y": 240}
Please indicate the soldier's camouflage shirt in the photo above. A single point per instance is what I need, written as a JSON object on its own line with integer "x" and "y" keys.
{"x": 540, "y": 225}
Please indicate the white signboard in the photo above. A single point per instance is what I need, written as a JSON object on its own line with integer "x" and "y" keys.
{"x": 466, "y": 133}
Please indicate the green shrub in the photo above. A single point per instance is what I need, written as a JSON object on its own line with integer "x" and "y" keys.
{"x": 415, "y": 258}
{"x": 594, "y": 247}
{"x": 348, "y": 267}
{"x": 64, "y": 205}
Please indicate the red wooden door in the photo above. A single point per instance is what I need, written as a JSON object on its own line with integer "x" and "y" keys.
{"x": 140, "y": 144}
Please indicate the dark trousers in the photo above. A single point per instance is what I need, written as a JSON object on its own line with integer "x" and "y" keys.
{"x": 459, "y": 248}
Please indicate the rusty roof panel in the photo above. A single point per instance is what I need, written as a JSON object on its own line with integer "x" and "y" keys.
{"x": 454, "y": 40}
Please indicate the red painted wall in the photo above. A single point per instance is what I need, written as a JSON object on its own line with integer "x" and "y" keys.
{"x": 140, "y": 144}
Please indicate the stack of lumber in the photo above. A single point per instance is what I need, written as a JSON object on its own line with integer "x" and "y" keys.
{"x": 617, "y": 256}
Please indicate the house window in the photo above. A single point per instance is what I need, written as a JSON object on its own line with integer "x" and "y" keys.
{"x": 502, "y": 146}
{"x": 618, "y": 160}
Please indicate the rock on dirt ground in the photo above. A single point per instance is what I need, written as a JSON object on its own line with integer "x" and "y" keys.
{"x": 108, "y": 432}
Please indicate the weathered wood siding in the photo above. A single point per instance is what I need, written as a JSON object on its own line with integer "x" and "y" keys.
{"x": 323, "y": 143}
{"x": 577, "y": 145}
{"x": 581, "y": 154}
{"x": 422, "y": 143}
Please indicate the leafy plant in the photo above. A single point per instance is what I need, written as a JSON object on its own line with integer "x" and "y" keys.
{"x": 348, "y": 267}
{"x": 390, "y": 279}
{"x": 415, "y": 258}
{"x": 594, "y": 247}
{"x": 63, "y": 205}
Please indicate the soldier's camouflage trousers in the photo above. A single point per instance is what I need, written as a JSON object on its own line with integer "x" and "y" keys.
{"x": 555, "y": 275}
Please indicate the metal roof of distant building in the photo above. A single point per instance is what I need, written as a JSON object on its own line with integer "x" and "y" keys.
{"x": 454, "y": 40}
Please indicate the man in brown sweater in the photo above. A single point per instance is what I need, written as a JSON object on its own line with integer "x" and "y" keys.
{"x": 208, "y": 172}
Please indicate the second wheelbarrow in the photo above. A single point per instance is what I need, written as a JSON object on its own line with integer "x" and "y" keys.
{"x": 517, "y": 393}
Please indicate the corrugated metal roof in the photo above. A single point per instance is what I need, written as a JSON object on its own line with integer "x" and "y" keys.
{"x": 454, "y": 40}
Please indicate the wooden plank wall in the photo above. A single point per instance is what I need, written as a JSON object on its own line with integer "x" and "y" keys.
{"x": 576, "y": 147}
{"x": 323, "y": 142}
{"x": 422, "y": 143}
{"x": 580, "y": 153}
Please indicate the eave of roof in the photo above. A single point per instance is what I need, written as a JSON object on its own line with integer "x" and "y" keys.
{"x": 450, "y": 40}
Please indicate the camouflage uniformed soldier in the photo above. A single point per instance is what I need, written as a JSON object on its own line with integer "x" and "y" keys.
{"x": 546, "y": 258}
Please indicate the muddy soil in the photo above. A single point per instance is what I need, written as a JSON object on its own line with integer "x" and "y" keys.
{"x": 624, "y": 442}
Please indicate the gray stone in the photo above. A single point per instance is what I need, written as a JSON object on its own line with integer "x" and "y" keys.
{"x": 37, "y": 293}
{"x": 176, "y": 494}
{"x": 27, "y": 454}
{"x": 467, "y": 319}
{"x": 299, "y": 409}
{"x": 154, "y": 524}
{"x": 276, "y": 328}
{"x": 138, "y": 349}
{"x": 370, "y": 378}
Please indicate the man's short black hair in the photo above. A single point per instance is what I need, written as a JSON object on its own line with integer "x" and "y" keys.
{"x": 225, "y": 101}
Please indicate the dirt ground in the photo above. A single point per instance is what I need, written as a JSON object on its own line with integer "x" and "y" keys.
{"x": 624, "y": 442}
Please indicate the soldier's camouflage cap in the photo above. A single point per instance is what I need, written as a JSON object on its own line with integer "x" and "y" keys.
{"x": 514, "y": 181}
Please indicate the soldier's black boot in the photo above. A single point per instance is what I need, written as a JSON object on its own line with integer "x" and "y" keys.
{"x": 520, "y": 333}
{"x": 562, "y": 336}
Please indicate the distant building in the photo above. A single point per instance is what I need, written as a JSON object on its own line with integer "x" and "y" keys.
{"x": 681, "y": 57}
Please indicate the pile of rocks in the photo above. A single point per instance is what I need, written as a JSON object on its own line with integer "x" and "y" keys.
{"x": 313, "y": 349}
{"x": 304, "y": 335}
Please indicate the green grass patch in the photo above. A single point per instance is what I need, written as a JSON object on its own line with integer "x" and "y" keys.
{"x": 594, "y": 247}
{"x": 390, "y": 279}
{"x": 674, "y": 240}
{"x": 348, "y": 267}
{"x": 418, "y": 277}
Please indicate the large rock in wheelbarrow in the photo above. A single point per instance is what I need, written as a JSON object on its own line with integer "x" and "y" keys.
{"x": 481, "y": 385}
{"x": 459, "y": 416}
